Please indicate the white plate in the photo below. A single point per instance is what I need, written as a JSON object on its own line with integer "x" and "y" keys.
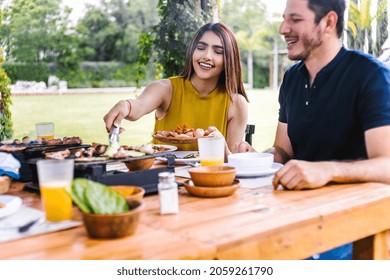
{"x": 180, "y": 157}
{"x": 12, "y": 204}
{"x": 254, "y": 173}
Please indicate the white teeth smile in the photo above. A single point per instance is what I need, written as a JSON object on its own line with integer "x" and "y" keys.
{"x": 289, "y": 43}
{"x": 205, "y": 65}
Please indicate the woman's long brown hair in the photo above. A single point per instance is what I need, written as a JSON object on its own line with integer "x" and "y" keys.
{"x": 231, "y": 78}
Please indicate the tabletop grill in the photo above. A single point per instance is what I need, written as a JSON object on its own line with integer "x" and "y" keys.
{"x": 106, "y": 173}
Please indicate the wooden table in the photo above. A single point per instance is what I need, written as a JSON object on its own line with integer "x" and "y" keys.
{"x": 252, "y": 224}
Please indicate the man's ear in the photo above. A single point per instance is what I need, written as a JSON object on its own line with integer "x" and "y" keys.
{"x": 331, "y": 21}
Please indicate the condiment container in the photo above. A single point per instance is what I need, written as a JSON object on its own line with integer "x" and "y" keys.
{"x": 168, "y": 193}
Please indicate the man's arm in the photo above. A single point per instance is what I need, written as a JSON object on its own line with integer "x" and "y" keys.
{"x": 283, "y": 151}
{"x": 297, "y": 174}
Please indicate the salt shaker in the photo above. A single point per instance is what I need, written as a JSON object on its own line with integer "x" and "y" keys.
{"x": 168, "y": 193}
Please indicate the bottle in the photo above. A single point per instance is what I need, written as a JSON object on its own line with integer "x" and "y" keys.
{"x": 168, "y": 193}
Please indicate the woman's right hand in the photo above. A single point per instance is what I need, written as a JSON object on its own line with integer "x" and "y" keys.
{"x": 117, "y": 113}
{"x": 243, "y": 147}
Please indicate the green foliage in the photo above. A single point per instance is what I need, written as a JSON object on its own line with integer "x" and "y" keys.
{"x": 100, "y": 74}
{"x": 168, "y": 40}
{"x": 255, "y": 36}
{"x": 5, "y": 103}
{"x": 109, "y": 31}
{"x": 360, "y": 24}
{"x": 36, "y": 31}
{"x": 145, "y": 44}
{"x": 26, "y": 71}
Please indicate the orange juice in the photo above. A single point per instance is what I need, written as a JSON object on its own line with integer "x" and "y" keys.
{"x": 57, "y": 203}
{"x": 211, "y": 162}
{"x": 46, "y": 137}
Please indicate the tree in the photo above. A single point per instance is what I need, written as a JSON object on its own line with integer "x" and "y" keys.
{"x": 361, "y": 21}
{"x": 381, "y": 28}
{"x": 109, "y": 31}
{"x": 36, "y": 31}
{"x": 5, "y": 102}
{"x": 253, "y": 32}
{"x": 179, "y": 20}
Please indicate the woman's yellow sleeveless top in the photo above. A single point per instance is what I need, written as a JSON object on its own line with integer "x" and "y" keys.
{"x": 188, "y": 107}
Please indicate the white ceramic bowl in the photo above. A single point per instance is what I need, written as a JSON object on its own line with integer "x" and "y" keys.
{"x": 251, "y": 161}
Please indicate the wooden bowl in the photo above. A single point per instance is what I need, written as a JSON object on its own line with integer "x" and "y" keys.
{"x": 211, "y": 192}
{"x": 212, "y": 176}
{"x": 130, "y": 192}
{"x": 113, "y": 225}
{"x": 140, "y": 164}
{"x": 5, "y": 183}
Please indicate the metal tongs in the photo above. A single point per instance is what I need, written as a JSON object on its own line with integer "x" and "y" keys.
{"x": 113, "y": 137}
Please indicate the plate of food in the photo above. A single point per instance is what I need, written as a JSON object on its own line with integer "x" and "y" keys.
{"x": 9, "y": 204}
{"x": 183, "y": 157}
{"x": 183, "y": 135}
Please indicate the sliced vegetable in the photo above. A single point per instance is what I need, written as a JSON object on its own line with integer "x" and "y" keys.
{"x": 103, "y": 200}
{"x": 76, "y": 191}
{"x": 94, "y": 197}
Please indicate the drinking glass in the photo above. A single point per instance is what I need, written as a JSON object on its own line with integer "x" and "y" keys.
{"x": 211, "y": 151}
{"x": 45, "y": 130}
{"x": 54, "y": 177}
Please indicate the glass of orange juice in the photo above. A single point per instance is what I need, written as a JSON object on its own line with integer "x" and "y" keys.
{"x": 54, "y": 177}
{"x": 45, "y": 130}
{"x": 211, "y": 151}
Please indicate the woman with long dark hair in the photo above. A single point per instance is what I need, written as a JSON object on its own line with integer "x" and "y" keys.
{"x": 209, "y": 91}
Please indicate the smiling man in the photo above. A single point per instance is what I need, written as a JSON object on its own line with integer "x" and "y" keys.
{"x": 334, "y": 116}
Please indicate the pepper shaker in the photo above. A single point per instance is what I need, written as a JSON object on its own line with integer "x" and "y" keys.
{"x": 168, "y": 193}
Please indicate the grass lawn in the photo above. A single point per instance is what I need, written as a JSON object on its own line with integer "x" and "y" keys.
{"x": 82, "y": 115}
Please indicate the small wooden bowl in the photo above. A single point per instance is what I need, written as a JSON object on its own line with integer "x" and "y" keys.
{"x": 140, "y": 164}
{"x": 5, "y": 183}
{"x": 130, "y": 192}
{"x": 211, "y": 192}
{"x": 113, "y": 225}
{"x": 212, "y": 176}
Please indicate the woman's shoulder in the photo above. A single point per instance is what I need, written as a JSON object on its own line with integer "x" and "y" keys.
{"x": 238, "y": 101}
{"x": 163, "y": 83}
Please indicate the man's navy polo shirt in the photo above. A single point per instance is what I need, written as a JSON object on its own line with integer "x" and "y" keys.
{"x": 327, "y": 121}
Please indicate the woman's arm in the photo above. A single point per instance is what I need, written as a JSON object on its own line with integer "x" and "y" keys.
{"x": 156, "y": 96}
{"x": 237, "y": 121}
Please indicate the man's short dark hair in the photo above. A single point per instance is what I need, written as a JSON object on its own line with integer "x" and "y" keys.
{"x": 322, "y": 7}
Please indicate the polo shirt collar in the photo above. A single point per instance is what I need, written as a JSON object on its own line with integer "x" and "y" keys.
{"x": 328, "y": 69}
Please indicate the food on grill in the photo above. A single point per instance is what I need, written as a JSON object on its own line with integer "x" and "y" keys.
{"x": 72, "y": 140}
{"x": 26, "y": 140}
{"x": 57, "y": 155}
{"x": 112, "y": 149}
{"x": 54, "y": 141}
{"x": 130, "y": 151}
{"x": 122, "y": 153}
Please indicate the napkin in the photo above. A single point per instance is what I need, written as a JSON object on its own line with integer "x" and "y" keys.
{"x": 10, "y": 224}
{"x": 9, "y": 166}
